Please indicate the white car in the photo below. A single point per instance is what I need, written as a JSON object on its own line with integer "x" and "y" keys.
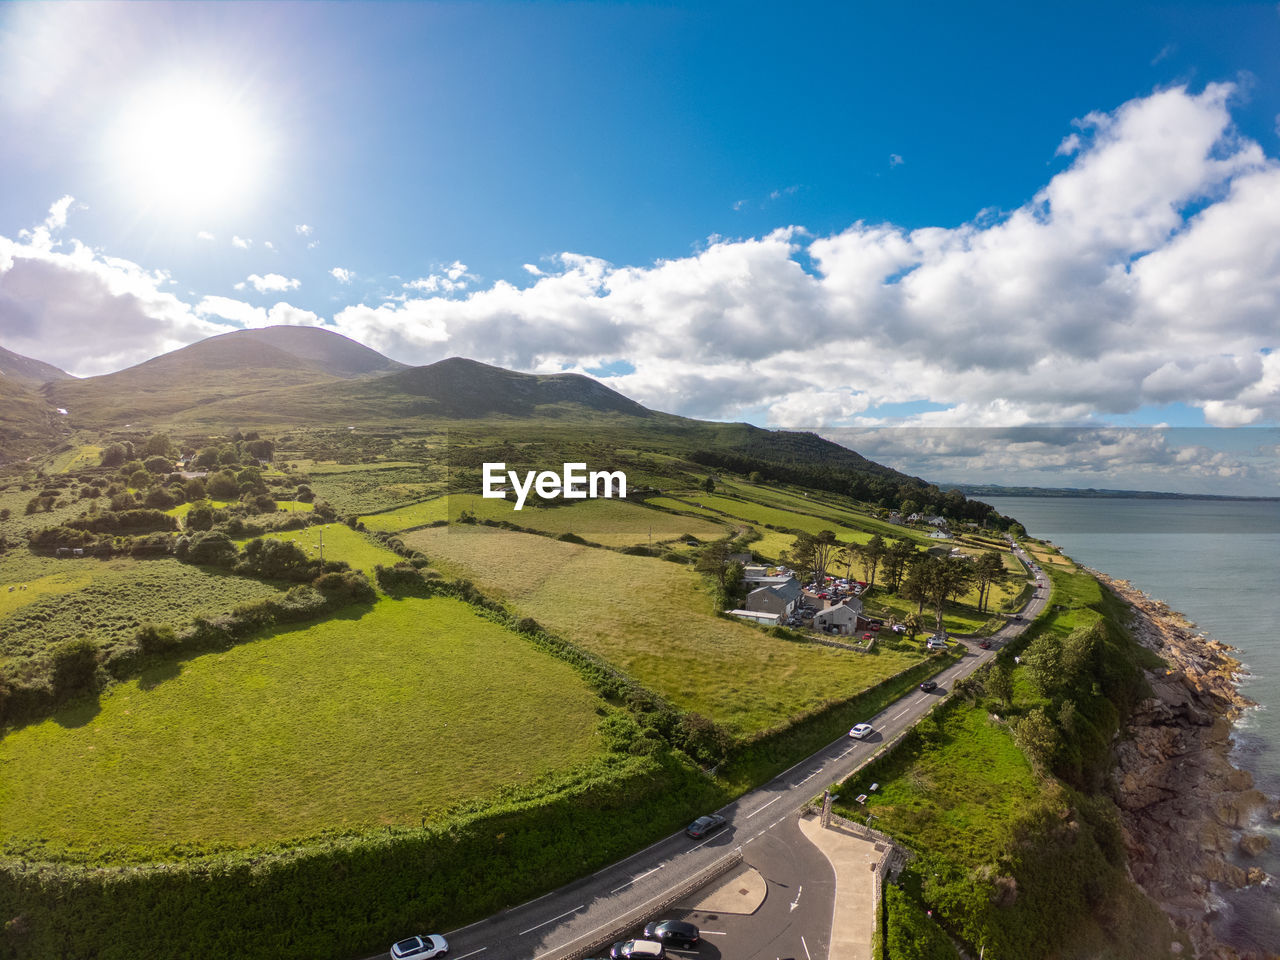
{"x": 935, "y": 643}
{"x": 861, "y": 731}
{"x": 420, "y": 948}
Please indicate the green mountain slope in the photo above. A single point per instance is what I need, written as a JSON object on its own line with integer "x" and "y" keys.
{"x": 232, "y": 365}
{"x": 25, "y": 371}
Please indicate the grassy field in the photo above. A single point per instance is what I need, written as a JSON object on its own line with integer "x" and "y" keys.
{"x": 654, "y": 620}
{"x": 77, "y": 458}
{"x": 110, "y": 599}
{"x": 340, "y": 543}
{"x": 377, "y": 719}
{"x": 325, "y": 468}
{"x": 614, "y": 523}
{"x": 285, "y": 506}
{"x": 956, "y": 794}
{"x": 370, "y": 488}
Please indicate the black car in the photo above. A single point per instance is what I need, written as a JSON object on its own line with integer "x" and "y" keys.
{"x": 705, "y": 825}
{"x": 928, "y": 686}
{"x": 673, "y": 933}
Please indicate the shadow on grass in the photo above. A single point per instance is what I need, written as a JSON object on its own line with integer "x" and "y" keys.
{"x": 167, "y": 670}
{"x": 77, "y": 714}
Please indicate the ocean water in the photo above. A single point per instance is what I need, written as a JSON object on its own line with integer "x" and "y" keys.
{"x": 1217, "y": 562}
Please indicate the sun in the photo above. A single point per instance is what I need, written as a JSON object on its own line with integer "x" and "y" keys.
{"x": 189, "y": 147}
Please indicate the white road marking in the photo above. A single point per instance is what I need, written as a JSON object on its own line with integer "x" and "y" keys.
{"x": 902, "y": 714}
{"x": 471, "y": 954}
{"x": 806, "y": 948}
{"x": 552, "y": 920}
{"x": 796, "y": 902}
{"x": 714, "y": 933}
{"x": 754, "y": 812}
{"x": 640, "y": 877}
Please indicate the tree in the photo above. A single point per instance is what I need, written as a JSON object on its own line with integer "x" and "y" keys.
{"x": 222, "y": 486}
{"x": 713, "y": 561}
{"x": 872, "y": 554}
{"x": 207, "y": 458}
{"x": 213, "y": 548}
{"x": 999, "y": 682}
{"x": 1036, "y": 736}
{"x": 988, "y": 569}
{"x": 909, "y": 507}
{"x": 912, "y": 622}
{"x": 1043, "y": 663}
{"x": 158, "y": 464}
{"x": 709, "y": 484}
{"x": 814, "y": 553}
{"x": 895, "y": 562}
{"x": 157, "y": 445}
{"x": 113, "y": 455}
{"x": 140, "y": 479}
{"x": 194, "y": 489}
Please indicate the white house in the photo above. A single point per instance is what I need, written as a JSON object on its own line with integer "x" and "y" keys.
{"x": 843, "y": 617}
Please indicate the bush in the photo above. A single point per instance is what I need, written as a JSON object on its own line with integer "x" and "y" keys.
{"x": 156, "y": 638}
{"x": 212, "y": 548}
{"x": 73, "y": 663}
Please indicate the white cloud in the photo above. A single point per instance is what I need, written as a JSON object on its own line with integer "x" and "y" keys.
{"x": 246, "y": 315}
{"x": 205, "y": 235}
{"x": 895, "y": 160}
{"x": 269, "y": 245}
{"x": 302, "y": 230}
{"x": 450, "y": 279}
{"x": 342, "y": 275}
{"x": 271, "y": 283}
{"x": 241, "y": 242}
{"x": 1146, "y": 272}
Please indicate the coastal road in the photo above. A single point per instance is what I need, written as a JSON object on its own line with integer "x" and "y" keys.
{"x": 762, "y": 824}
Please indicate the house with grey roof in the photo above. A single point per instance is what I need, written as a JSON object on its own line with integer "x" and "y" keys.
{"x": 842, "y": 618}
{"x": 780, "y": 597}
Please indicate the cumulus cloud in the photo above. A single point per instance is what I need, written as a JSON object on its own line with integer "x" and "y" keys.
{"x": 1186, "y": 459}
{"x": 895, "y": 160}
{"x": 246, "y": 315}
{"x": 271, "y": 283}
{"x": 1145, "y": 272}
{"x": 342, "y": 275}
{"x": 205, "y": 235}
{"x": 302, "y": 230}
{"x": 241, "y": 243}
{"x": 55, "y": 301}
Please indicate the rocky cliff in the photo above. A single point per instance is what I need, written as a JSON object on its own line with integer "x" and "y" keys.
{"x": 1185, "y": 808}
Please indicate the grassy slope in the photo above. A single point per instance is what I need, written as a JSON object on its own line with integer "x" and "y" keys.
{"x": 967, "y": 797}
{"x": 653, "y": 619}
{"x": 110, "y": 599}
{"x": 358, "y": 721}
{"x": 340, "y": 543}
{"x": 614, "y": 523}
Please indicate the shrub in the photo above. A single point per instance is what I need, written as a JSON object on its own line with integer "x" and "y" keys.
{"x": 213, "y": 548}
{"x": 156, "y": 638}
{"x": 73, "y": 665}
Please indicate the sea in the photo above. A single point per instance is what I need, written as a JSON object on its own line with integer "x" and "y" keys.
{"x": 1218, "y": 563}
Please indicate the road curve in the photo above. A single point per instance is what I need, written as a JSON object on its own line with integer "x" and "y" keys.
{"x": 594, "y": 904}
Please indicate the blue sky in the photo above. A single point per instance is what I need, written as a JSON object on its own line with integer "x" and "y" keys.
{"x": 814, "y": 209}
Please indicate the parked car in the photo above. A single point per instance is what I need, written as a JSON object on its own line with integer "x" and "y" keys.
{"x": 866, "y": 636}
{"x": 673, "y": 933}
{"x": 640, "y": 949}
{"x": 705, "y": 825}
{"x": 929, "y": 686}
{"x": 861, "y": 731}
{"x": 420, "y": 948}
{"x": 985, "y": 644}
{"x": 935, "y": 643}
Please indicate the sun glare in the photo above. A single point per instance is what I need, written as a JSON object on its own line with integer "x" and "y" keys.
{"x": 188, "y": 148}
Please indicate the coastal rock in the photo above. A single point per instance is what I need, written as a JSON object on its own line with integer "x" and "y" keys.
{"x": 1181, "y": 801}
{"x": 1252, "y": 844}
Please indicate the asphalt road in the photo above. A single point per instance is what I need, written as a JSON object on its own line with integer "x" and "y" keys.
{"x": 762, "y": 823}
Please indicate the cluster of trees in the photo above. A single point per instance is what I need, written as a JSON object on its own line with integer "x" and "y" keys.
{"x": 914, "y": 574}
{"x": 862, "y": 480}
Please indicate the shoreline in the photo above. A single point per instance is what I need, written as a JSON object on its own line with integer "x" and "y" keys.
{"x": 1185, "y": 808}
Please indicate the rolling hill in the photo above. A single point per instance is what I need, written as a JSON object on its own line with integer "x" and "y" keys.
{"x": 231, "y": 365}
{"x": 14, "y": 367}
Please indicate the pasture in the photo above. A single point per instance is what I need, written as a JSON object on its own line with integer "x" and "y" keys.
{"x": 614, "y": 523}
{"x": 109, "y": 599}
{"x": 655, "y": 621}
{"x": 357, "y": 722}
{"x": 339, "y": 542}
